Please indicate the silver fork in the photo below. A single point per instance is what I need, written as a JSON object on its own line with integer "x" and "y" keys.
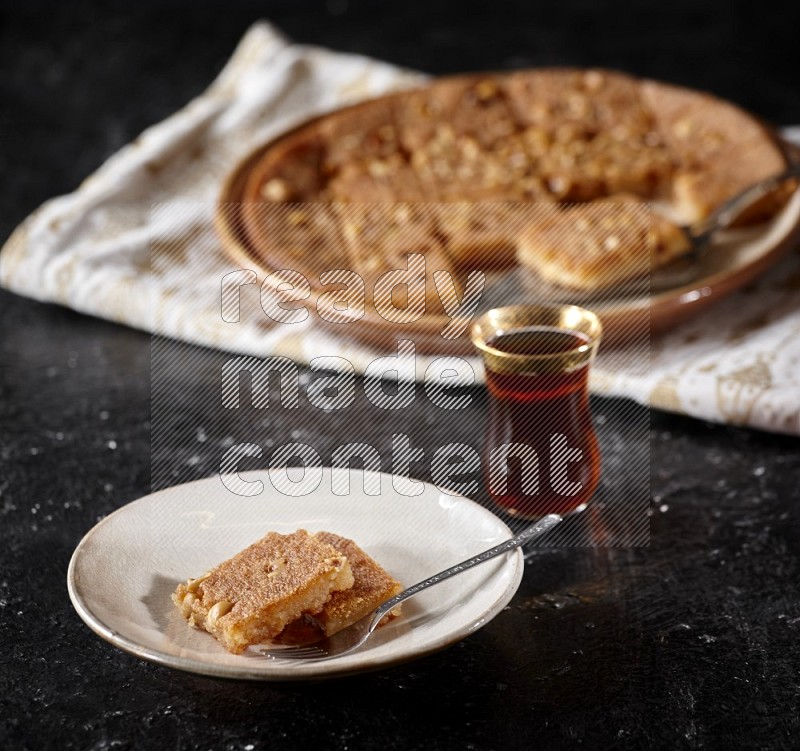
{"x": 699, "y": 234}
{"x": 357, "y": 633}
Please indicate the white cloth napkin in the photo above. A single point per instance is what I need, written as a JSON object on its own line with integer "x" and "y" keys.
{"x": 91, "y": 250}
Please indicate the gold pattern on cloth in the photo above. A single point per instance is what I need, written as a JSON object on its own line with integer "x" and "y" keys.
{"x": 739, "y": 391}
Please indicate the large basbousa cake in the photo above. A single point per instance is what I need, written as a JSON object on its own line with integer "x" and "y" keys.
{"x": 363, "y": 187}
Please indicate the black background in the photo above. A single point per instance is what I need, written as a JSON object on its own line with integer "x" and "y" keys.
{"x": 689, "y": 643}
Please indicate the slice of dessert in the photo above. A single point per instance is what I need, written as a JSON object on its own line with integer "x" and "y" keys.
{"x": 380, "y": 239}
{"x": 719, "y": 148}
{"x": 481, "y": 234}
{"x": 251, "y": 597}
{"x": 372, "y": 587}
{"x": 591, "y": 246}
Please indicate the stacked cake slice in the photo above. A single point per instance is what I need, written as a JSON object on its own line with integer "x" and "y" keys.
{"x": 282, "y": 580}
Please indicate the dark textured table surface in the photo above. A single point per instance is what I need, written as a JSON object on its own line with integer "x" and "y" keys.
{"x": 690, "y": 642}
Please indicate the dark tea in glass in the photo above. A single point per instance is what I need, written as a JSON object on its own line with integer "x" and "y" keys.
{"x": 540, "y": 451}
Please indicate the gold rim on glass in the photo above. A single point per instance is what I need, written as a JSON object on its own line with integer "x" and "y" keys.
{"x": 500, "y": 321}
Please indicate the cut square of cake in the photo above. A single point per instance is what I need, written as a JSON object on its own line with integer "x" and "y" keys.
{"x": 372, "y": 587}
{"x": 381, "y": 236}
{"x": 594, "y": 245}
{"x": 251, "y": 597}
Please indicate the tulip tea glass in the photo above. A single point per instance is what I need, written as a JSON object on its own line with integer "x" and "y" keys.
{"x": 541, "y": 454}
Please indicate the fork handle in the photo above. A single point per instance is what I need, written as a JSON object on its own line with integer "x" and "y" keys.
{"x": 535, "y": 530}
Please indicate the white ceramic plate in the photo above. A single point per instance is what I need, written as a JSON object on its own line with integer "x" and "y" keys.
{"x": 123, "y": 571}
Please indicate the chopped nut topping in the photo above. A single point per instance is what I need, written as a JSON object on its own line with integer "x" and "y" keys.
{"x": 297, "y": 218}
{"x": 683, "y": 128}
{"x": 593, "y": 80}
{"x": 558, "y": 185}
{"x": 350, "y": 142}
{"x": 486, "y": 90}
{"x": 276, "y": 567}
{"x": 276, "y": 190}
{"x": 217, "y": 611}
{"x": 187, "y": 602}
{"x": 379, "y": 168}
{"x": 193, "y": 584}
